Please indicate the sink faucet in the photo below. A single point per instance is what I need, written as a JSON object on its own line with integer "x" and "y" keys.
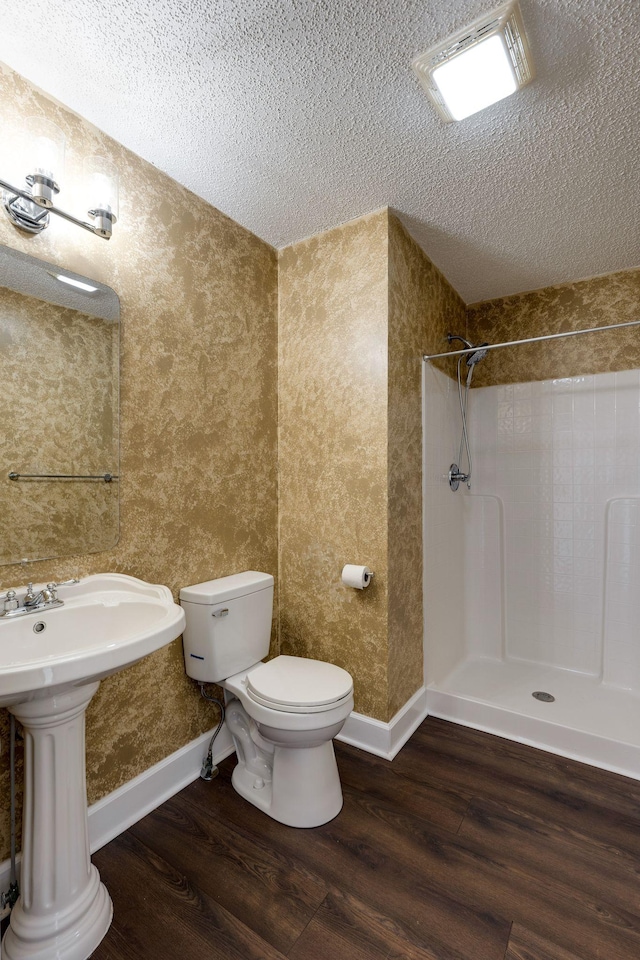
{"x": 44, "y": 599}
{"x": 32, "y": 600}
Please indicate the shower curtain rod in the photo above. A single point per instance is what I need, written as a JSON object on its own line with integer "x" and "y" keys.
{"x": 515, "y": 343}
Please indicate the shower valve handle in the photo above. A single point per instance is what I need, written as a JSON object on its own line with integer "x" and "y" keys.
{"x": 456, "y": 477}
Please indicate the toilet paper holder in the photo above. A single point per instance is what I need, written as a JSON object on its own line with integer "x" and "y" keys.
{"x": 354, "y": 575}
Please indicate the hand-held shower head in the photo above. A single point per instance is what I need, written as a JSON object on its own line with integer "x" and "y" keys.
{"x": 479, "y": 355}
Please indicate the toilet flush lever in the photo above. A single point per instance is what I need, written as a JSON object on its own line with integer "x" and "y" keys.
{"x": 224, "y": 612}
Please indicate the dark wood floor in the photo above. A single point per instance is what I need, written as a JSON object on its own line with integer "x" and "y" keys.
{"x": 466, "y": 847}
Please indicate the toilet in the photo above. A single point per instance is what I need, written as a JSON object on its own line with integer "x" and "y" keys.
{"x": 282, "y": 714}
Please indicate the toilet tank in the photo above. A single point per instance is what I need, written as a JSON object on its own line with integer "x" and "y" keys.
{"x": 228, "y": 626}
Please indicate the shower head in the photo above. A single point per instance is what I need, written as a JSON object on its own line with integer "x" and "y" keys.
{"x": 479, "y": 355}
{"x": 479, "y": 352}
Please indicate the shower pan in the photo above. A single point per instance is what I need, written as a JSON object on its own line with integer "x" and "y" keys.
{"x": 532, "y": 621}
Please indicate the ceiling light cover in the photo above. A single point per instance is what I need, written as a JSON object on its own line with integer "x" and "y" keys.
{"x": 477, "y": 66}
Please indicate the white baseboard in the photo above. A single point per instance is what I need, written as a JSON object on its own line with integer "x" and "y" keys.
{"x": 386, "y": 739}
{"x": 119, "y": 810}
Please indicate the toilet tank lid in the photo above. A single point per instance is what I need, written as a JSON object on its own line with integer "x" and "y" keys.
{"x": 227, "y": 588}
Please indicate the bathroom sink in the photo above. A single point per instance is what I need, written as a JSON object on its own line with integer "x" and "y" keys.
{"x": 108, "y": 621}
{"x": 51, "y": 664}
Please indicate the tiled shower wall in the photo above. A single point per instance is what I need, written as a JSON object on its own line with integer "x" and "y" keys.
{"x": 551, "y": 542}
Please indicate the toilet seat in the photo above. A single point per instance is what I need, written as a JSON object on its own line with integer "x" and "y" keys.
{"x": 298, "y": 685}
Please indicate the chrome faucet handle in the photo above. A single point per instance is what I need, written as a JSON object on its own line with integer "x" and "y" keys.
{"x": 11, "y": 601}
{"x": 50, "y": 595}
{"x": 29, "y": 596}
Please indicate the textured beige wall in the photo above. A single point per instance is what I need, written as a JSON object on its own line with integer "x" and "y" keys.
{"x": 198, "y": 420}
{"x": 570, "y": 306}
{"x": 423, "y": 308}
{"x": 59, "y": 405}
{"x": 358, "y": 307}
{"x": 333, "y": 451}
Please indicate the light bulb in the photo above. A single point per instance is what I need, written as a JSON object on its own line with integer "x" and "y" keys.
{"x": 476, "y": 78}
{"x": 44, "y": 159}
{"x": 101, "y": 192}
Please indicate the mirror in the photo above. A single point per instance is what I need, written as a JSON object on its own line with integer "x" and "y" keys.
{"x": 59, "y": 444}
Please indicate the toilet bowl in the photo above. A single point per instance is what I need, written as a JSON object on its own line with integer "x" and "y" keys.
{"x": 282, "y": 714}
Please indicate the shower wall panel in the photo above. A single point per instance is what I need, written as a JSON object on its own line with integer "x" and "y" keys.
{"x": 621, "y": 661}
{"x": 554, "y": 453}
{"x": 444, "y": 594}
{"x": 483, "y": 575}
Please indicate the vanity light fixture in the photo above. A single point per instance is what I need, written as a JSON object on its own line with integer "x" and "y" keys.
{"x": 477, "y": 66}
{"x": 85, "y": 287}
{"x": 29, "y": 208}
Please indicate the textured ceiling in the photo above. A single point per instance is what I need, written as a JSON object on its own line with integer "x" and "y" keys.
{"x": 292, "y": 116}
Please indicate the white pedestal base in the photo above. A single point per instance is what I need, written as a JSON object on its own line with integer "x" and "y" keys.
{"x": 63, "y": 911}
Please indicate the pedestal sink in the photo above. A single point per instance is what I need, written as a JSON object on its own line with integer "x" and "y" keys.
{"x": 51, "y": 664}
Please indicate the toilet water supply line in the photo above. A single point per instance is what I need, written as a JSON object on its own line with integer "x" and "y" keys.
{"x": 8, "y": 899}
{"x": 208, "y": 771}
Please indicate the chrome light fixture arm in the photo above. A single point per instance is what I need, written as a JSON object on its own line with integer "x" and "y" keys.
{"x": 33, "y": 214}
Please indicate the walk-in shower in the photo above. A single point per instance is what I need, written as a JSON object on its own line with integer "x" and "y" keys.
{"x": 540, "y": 595}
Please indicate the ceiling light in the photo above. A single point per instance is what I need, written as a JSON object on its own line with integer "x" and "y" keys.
{"x": 477, "y": 66}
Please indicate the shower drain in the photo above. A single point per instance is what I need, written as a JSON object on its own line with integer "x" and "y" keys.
{"x": 541, "y": 695}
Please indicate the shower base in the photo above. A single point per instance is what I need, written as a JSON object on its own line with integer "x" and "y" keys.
{"x": 588, "y": 720}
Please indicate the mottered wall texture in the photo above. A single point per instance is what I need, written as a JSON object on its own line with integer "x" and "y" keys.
{"x": 614, "y": 298}
{"x": 358, "y": 307}
{"x": 423, "y": 308}
{"x": 333, "y": 451}
{"x": 198, "y": 422}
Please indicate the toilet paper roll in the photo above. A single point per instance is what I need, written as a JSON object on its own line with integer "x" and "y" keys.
{"x": 356, "y": 576}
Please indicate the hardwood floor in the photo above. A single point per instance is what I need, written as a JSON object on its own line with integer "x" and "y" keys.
{"x": 465, "y": 847}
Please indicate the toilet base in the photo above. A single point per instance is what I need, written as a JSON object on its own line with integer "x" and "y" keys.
{"x": 305, "y": 788}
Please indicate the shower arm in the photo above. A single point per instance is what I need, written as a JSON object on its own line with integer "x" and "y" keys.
{"x": 515, "y": 343}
